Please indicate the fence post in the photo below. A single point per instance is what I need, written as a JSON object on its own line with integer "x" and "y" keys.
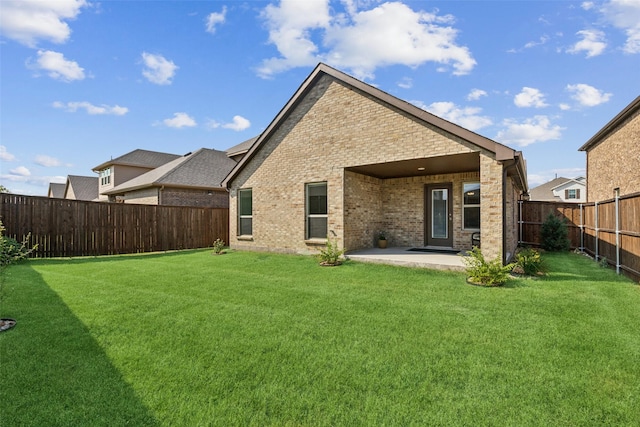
{"x": 595, "y": 208}
{"x": 581, "y": 228}
{"x": 520, "y": 222}
{"x": 617, "y": 191}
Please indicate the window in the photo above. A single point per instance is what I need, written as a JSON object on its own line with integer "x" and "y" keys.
{"x": 471, "y": 206}
{"x": 572, "y": 193}
{"x": 245, "y": 212}
{"x": 105, "y": 176}
{"x": 316, "y": 209}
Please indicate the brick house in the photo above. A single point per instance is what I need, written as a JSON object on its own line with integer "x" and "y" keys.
{"x": 613, "y": 156}
{"x": 347, "y": 160}
{"x": 190, "y": 180}
{"x": 81, "y": 188}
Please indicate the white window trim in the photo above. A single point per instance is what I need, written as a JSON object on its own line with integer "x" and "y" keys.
{"x": 241, "y": 217}
{"x": 469, "y": 206}
{"x": 308, "y": 215}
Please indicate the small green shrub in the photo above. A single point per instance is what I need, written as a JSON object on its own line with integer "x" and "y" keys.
{"x": 486, "y": 273}
{"x": 603, "y": 262}
{"x": 555, "y": 234}
{"x": 330, "y": 254}
{"x": 12, "y": 251}
{"x": 218, "y": 246}
{"x": 529, "y": 262}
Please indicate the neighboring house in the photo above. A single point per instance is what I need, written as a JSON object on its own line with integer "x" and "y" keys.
{"x": 561, "y": 190}
{"x": 81, "y": 188}
{"x": 347, "y": 160}
{"x": 613, "y": 156}
{"x": 128, "y": 166}
{"x": 191, "y": 180}
{"x": 56, "y": 190}
{"x": 238, "y": 151}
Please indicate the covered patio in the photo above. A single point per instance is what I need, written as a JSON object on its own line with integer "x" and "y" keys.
{"x": 409, "y": 258}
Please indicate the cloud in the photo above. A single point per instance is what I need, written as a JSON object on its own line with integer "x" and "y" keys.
{"x": 47, "y": 161}
{"x": 361, "y": 40}
{"x": 476, "y": 94}
{"x": 532, "y": 130}
{"x": 72, "y": 107}
{"x": 592, "y": 43}
{"x": 58, "y": 67}
{"x": 27, "y": 21}
{"x": 214, "y": 19}
{"x": 588, "y": 96}
{"x": 625, "y": 15}
{"x": 587, "y": 5}
{"x": 542, "y": 177}
{"x": 20, "y": 171}
{"x": 180, "y": 120}
{"x": 158, "y": 69}
{"x": 5, "y": 155}
{"x": 529, "y": 97}
{"x": 406, "y": 83}
{"x": 238, "y": 124}
{"x": 467, "y": 117}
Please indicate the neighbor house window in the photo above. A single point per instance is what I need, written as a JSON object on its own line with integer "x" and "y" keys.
{"x": 471, "y": 206}
{"x": 245, "y": 212}
{"x": 572, "y": 193}
{"x": 316, "y": 209}
{"x": 105, "y": 176}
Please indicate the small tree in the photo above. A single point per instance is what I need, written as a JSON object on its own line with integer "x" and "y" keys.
{"x": 555, "y": 234}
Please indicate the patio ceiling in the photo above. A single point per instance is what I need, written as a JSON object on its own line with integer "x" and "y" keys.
{"x": 455, "y": 163}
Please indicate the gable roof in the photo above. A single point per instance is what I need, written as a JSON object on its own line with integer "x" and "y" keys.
{"x": 84, "y": 187}
{"x": 544, "y": 192}
{"x": 139, "y": 158}
{"x": 241, "y": 148}
{"x": 501, "y": 151}
{"x": 203, "y": 169}
{"x": 623, "y": 115}
{"x": 56, "y": 190}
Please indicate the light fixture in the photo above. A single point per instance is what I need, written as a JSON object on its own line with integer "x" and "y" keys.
{"x": 420, "y": 169}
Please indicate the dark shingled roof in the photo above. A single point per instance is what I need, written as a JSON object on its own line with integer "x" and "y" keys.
{"x": 56, "y": 190}
{"x": 84, "y": 187}
{"x": 241, "y": 148}
{"x": 140, "y": 158}
{"x": 205, "y": 168}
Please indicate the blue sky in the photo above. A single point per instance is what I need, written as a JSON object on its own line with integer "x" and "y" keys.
{"x": 84, "y": 81}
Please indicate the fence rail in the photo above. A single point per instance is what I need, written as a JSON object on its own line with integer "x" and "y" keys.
{"x": 63, "y": 228}
{"x": 609, "y": 229}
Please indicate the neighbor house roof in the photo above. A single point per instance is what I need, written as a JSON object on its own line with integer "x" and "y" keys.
{"x": 502, "y": 152}
{"x": 628, "y": 111}
{"x": 140, "y": 158}
{"x": 241, "y": 148}
{"x": 84, "y": 187}
{"x": 544, "y": 192}
{"x": 56, "y": 190}
{"x": 203, "y": 169}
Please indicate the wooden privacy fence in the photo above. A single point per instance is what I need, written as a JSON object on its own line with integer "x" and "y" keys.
{"x": 64, "y": 228}
{"x": 606, "y": 230}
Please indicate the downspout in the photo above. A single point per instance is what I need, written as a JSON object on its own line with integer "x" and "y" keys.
{"x": 505, "y": 169}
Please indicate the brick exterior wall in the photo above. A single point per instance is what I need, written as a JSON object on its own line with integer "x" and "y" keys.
{"x": 333, "y": 128}
{"x": 145, "y": 196}
{"x": 615, "y": 162}
{"x": 199, "y": 198}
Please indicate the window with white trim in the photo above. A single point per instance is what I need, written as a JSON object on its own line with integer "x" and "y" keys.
{"x": 316, "y": 210}
{"x": 572, "y": 193}
{"x": 105, "y": 176}
{"x": 245, "y": 212}
{"x": 471, "y": 206}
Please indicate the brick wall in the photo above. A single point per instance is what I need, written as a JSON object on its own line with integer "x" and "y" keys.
{"x": 145, "y": 196}
{"x": 199, "y": 198}
{"x": 335, "y": 127}
{"x": 615, "y": 162}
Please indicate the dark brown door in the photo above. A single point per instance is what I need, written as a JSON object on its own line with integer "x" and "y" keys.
{"x": 438, "y": 219}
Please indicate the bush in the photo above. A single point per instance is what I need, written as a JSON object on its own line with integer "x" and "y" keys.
{"x": 529, "y": 262}
{"x": 330, "y": 254}
{"x": 486, "y": 273}
{"x": 555, "y": 234}
{"x": 11, "y": 251}
{"x": 218, "y": 246}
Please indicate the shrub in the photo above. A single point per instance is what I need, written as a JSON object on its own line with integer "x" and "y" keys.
{"x": 218, "y": 246}
{"x": 528, "y": 261}
{"x": 11, "y": 251}
{"x": 330, "y": 254}
{"x": 555, "y": 234}
{"x": 486, "y": 273}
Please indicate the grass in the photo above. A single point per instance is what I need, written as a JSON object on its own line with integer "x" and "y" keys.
{"x": 262, "y": 339}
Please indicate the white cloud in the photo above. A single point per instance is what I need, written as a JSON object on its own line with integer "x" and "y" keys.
{"x": 406, "y": 83}
{"x": 467, "y": 117}
{"x": 159, "y": 70}
{"x": 529, "y": 97}
{"x": 20, "y": 171}
{"x": 238, "y": 124}
{"x": 476, "y": 94}
{"x": 180, "y": 120}
{"x": 361, "y": 40}
{"x": 47, "y": 161}
{"x": 72, "y": 107}
{"x": 542, "y": 177}
{"x": 565, "y": 107}
{"x": 625, "y": 15}
{"x": 587, "y": 5}
{"x": 28, "y": 21}
{"x": 532, "y": 130}
{"x": 5, "y": 155}
{"x": 588, "y": 96}
{"x": 58, "y": 67}
{"x": 214, "y": 19}
{"x": 592, "y": 43}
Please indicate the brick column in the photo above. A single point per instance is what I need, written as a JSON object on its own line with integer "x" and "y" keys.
{"x": 490, "y": 206}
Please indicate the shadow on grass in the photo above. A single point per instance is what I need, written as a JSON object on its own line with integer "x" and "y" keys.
{"x": 119, "y": 257}
{"x": 53, "y": 371}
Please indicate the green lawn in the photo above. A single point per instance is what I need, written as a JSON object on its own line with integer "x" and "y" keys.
{"x": 191, "y": 339}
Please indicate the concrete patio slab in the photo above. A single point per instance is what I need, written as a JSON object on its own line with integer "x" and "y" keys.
{"x": 402, "y": 256}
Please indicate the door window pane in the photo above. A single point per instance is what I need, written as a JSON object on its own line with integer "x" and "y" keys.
{"x": 439, "y": 214}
